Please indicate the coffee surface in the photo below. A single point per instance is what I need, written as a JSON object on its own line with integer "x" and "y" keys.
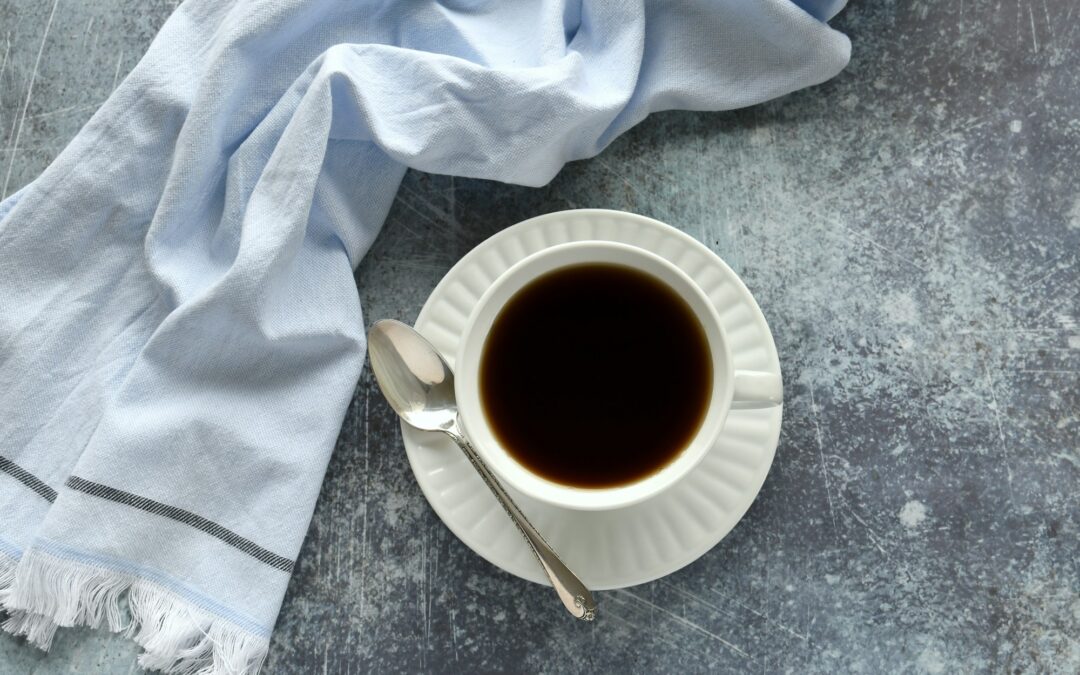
{"x": 595, "y": 375}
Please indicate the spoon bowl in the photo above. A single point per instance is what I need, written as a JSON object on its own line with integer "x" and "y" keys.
{"x": 413, "y": 376}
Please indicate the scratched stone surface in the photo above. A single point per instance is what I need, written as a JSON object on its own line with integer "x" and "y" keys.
{"x": 911, "y": 230}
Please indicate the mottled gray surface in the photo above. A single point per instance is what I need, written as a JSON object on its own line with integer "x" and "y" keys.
{"x": 912, "y": 232}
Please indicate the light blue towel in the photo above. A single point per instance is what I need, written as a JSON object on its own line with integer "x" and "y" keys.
{"x": 180, "y": 332}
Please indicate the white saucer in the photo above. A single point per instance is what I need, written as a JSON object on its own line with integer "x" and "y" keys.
{"x": 607, "y": 549}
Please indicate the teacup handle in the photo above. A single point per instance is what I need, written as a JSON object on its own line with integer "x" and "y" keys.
{"x": 756, "y": 389}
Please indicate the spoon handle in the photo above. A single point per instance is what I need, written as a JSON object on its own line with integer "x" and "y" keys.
{"x": 574, "y": 594}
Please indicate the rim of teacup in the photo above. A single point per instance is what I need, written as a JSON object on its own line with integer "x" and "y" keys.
{"x": 474, "y": 337}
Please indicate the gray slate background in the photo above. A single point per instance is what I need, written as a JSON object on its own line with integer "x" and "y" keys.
{"x": 911, "y": 230}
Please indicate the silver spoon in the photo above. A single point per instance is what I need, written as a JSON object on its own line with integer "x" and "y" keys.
{"x": 419, "y": 385}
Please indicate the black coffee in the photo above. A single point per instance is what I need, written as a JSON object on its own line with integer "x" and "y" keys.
{"x": 595, "y": 375}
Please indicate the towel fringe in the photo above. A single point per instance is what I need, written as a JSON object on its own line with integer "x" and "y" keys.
{"x": 42, "y": 592}
{"x": 36, "y": 628}
{"x": 7, "y": 574}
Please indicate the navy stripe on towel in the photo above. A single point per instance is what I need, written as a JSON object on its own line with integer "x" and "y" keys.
{"x": 28, "y": 479}
{"x": 180, "y": 515}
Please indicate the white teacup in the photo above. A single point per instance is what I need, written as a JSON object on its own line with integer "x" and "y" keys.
{"x": 746, "y": 387}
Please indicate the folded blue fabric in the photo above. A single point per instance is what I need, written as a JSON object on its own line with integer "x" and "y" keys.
{"x": 180, "y": 331}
